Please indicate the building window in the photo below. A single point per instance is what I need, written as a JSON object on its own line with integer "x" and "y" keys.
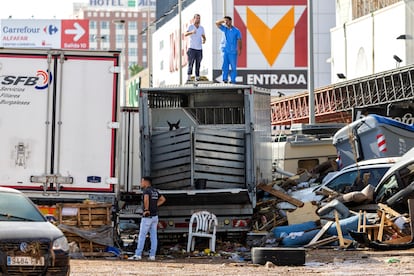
{"x": 92, "y": 24}
{"x": 144, "y": 15}
{"x": 132, "y": 25}
{"x": 132, "y": 51}
{"x": 105, "y": 25}
{"x": 144, "y": 25}
{"x": 132, "y": 38}
{"x": 119, "y": 26}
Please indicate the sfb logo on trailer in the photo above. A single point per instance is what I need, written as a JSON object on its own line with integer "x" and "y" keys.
{"x": 40, "y": 81}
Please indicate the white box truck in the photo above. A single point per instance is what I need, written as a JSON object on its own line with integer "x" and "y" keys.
{"x": 58, "y": 120}
{"x": 373, "y": 136}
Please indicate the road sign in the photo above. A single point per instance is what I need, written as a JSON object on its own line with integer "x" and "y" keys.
{"x": 75, "y": 34}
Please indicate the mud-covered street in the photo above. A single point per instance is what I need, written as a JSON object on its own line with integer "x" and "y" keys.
{"x": 318, "y": 262}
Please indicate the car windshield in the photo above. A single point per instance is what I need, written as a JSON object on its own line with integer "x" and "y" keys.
{"x": 394, "y": 184}
{"x": 16, "y": 207}
{"x": 347, "y": 179}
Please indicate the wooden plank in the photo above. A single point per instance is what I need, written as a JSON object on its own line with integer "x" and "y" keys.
{"x": 381, "y": 226}
{"x": 389, "y": 210}
{"x": 220, "y": 148}
{"x": 322, "y": 242}
{"x": 219, "y": 177}
{"x": 170, "y": 147}
{"x": 320, "y": 233}
{"x": 172, "y": 133}
{"x": 222, "y": 163}
{"x": 170, "y": 156}
{"x": 223, "y": 133}
{"x": 224, "y": 185}
{"x": 339, "y": 230}
{"x": 219, "y": 155}
{"x": 217, "y": 169}
{"x": 280, "y": 195}
{"x": 171, "y": 171}
{"x": 343, "y": 243}
{"x": 171, "y": 178}
{"x": 170, "y": 163}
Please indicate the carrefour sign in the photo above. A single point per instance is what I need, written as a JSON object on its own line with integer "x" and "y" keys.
{"x": 34, "y": 33}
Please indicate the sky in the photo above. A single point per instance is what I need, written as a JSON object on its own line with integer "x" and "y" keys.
{"x": 38, "y": 9}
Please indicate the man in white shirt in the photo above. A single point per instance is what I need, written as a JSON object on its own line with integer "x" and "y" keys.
{"x": 195, "y": 51}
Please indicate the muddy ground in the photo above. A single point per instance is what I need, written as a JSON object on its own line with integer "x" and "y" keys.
{"x": 318, "y": 262}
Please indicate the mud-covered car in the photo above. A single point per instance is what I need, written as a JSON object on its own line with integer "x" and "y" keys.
{"x": 397, "y": 185}
{"x": 29, "y": 244}
{"x": 346, "y": 180}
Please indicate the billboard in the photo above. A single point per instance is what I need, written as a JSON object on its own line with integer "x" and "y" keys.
{"x": 274, "y": 39}
{"x": 44, "y": 33}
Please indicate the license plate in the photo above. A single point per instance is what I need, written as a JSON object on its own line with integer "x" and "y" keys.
{"x": 24, "y": 260}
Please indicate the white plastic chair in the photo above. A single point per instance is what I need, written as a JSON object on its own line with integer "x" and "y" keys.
{"x": 202, "y": 224}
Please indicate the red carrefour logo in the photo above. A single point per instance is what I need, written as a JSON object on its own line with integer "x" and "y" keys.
{"x": 75, "y": 34}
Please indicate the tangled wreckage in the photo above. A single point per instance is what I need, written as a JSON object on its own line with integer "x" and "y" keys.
{"x": 366, "y": 204}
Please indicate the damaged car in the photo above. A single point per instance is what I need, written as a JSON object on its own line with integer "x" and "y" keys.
{"x": 29, "y": 244}
{"x": 349, "y": 179}
{"x": 397, "y": 185}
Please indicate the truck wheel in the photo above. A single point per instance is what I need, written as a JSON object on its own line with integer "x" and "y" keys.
{"x": 278, "y": 256}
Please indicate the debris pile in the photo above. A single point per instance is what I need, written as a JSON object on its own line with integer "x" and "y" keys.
{"x": 335, "y": 219}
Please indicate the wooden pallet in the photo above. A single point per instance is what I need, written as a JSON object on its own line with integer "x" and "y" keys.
{"x": 84, "y": 215}
{"x": 84, "y": 244}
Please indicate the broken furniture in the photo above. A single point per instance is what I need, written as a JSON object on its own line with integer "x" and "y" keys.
{"x": 398, "y": 241}
{"x": 203, "y": 224}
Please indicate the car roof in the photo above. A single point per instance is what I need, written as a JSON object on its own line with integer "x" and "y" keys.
{"x": 9, "y": 190}
{"x": 374, "y": 161}
{"x": 384, "y": 162}
{"x": 407, "y": 158}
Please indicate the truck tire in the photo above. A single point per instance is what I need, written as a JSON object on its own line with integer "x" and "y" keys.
{"x": 278, "y": 256}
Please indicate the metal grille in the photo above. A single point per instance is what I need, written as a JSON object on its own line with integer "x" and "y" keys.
{"x": 12, "y": 248}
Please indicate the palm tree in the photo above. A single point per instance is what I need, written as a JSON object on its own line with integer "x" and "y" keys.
{"x": 134, "y": 69}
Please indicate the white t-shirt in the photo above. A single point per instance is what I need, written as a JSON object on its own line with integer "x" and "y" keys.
{"x": 196, "y": 39}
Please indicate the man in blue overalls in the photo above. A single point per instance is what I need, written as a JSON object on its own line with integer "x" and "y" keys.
{"x": 231, "y": 45}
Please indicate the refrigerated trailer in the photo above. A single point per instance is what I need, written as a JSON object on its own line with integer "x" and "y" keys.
{"x": 206, "y": 146}
{"x": 58, "y": 120}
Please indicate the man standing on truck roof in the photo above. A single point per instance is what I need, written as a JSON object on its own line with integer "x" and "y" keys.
{"x": 195, "y": 51}
{"x": 151, "y": 199}
{"x": 231, "y": 46}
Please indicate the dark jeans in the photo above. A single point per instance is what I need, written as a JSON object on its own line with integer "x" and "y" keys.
{"x": 194, "y": 56}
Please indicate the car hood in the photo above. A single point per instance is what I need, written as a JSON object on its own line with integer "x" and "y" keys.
{"x": 28, "y": 230}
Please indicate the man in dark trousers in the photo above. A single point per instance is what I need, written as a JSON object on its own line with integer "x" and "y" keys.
{"x": 195, "y": 51}
{"x": 151, "y": 199}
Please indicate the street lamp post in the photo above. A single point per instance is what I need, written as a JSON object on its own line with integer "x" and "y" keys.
{"x": 123, "y": 74}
